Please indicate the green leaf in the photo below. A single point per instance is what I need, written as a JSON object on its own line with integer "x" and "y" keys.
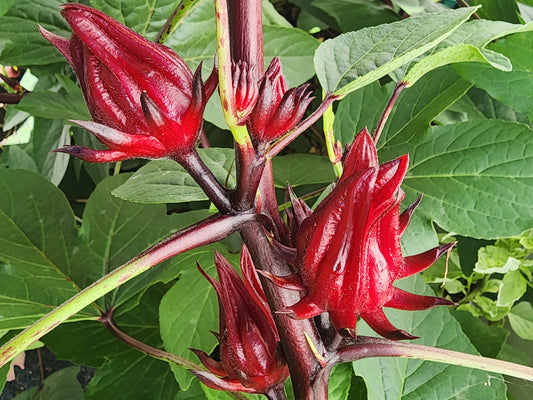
{"x": 49, "y": 135}
{"x": 144, "y": 17}
{"x": 352, "y": 15}
{"x": 130, "y": 374}
{"x": 356, "y": 59}
{"x": 22, "y": 43}
{"x": 514, "y": 285}
{"x": 499, "y": 10}
{"x": 480, "y": 32}
{"x": 301, "y": 169}
{"x": 340, "y": 381}
{"x": 521, "y": 319}
{"x": 419, "y": 6}
{"x": 400, "y": 378}
{"x": 476, "y": 177}
{"x": 495, "y": 259}
{"x": 82, "y": 137}
{"x": 114, "y": 231}
{"x": 489, "y": 309}
{"x": 37, "y": 234}
{"x": 361, "y": 109}
{"x": 193, "y": 293}
{"x": 513, "y": 88}
{"x": 488, "y": 339}
{"x": 3, "y": 375}
{"x": 413, "y": 113}
{"x": 14, "y": 157}
{"x": 417, "y": 107}
{"x": 478, "y": 105}
{"x": 455, "y": 54}
{"x": 271, "y": 17}
{"x": 123, "y": 372}
{"x": 5, "y": 6}
{"x": 62, "y": 385}
{"x": 56, "y": 105}
{"x": 165, "y": 181}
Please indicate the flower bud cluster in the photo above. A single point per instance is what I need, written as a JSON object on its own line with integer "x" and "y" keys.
{"x": 267, "y": 107}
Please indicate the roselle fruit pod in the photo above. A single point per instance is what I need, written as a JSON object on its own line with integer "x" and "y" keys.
{"x": 348, "y": 249}
{"x": 251, "y": 359}
{"x": 144, "y": 100}
{"x": 277, "y": 110}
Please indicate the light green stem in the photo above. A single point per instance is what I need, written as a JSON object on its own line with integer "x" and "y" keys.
{"x": 225, "y": 79}
{"x": 199, "y": 234}
{"x": 328, "y": 118}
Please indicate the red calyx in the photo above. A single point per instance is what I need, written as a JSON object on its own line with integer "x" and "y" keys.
{"x": 142, "y": 92}
{"x": 348, "y": 249}
{"x": 251, "y": 359}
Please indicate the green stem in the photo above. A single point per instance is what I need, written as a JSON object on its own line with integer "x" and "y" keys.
{"x": 202, "y": 233}
{"x": 177, "y": 17}
{"x": 225, "y": 81}
{"x": 365, "y": 347}
{"x": 477, "y": 291}
{"x": 334, "y": 149}
{"x": 116, "y": 171}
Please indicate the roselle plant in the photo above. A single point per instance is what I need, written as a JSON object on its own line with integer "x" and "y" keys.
{"x": 314, "y": 312}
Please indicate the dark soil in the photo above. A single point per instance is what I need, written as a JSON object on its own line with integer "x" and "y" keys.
{"x": 30, "y": 376}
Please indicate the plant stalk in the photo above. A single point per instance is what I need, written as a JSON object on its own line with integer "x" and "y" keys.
{"x": 109, "y": 323}
{"x": 203, "y": 176}
{"x": 246, "y": 34}
{"x": 386, "y": 112}
{"x": 176, "y": 18}
{"x": 365, "y": 347}
{"x": 204, "y": 232}
{"x": 302, "y": 362}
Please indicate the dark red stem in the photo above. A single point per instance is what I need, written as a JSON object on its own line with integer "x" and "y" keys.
{"x": 303, "y": 365}
{"x": 388, "y": 108}
{"x": 269, "y": 204}
{"x": 109, "y": 323}
{"x": 249, "y": 166}
{"x": 203, "y": 176}
{"x": 246, "y": 33}
{"x": 10, "y": 98}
